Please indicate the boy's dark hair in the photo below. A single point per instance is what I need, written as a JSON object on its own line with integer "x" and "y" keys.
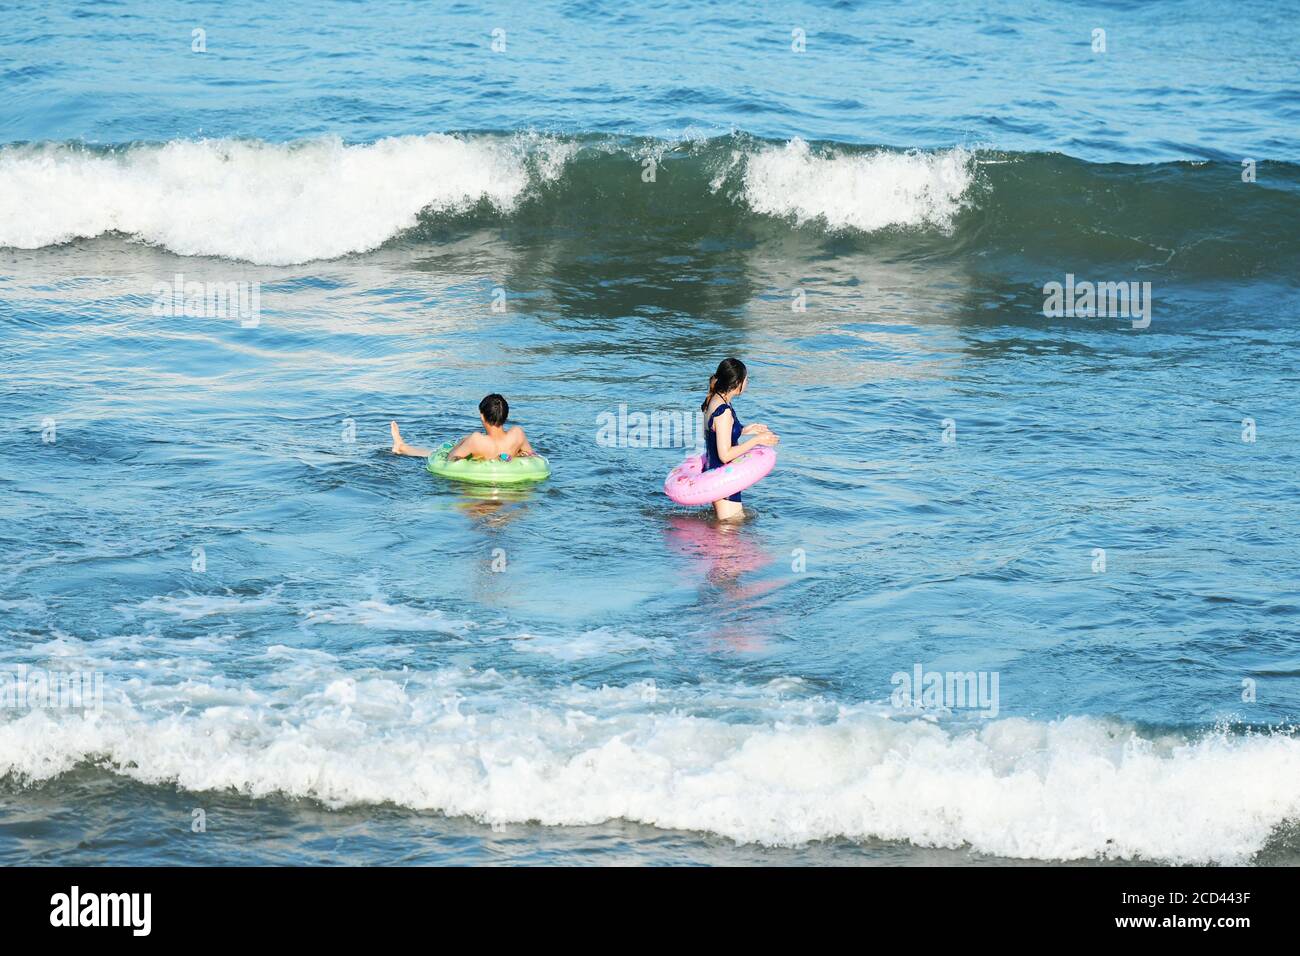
{"x": 494, "y": 409}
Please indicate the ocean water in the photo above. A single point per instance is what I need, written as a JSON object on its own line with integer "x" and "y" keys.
{"x": 300, "y": 648}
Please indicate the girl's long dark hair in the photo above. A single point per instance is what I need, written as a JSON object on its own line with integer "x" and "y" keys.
{"x": 730, "y": 374}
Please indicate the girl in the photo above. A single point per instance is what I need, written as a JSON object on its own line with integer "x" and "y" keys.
{"x": 722, "y": 430}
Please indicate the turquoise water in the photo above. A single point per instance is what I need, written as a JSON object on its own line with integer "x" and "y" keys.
{"x": 337, "y": 657}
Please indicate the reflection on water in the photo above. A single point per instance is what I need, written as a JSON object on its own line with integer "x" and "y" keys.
{"x": 720, "y": 551}
{"x": 491, "y": 507}
{"x": 723, "y": 561}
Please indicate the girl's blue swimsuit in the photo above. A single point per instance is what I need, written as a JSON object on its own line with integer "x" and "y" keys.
{"x": 711, "y": 441}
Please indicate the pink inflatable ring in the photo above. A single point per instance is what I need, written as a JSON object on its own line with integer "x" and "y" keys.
{"x": 690, "y": 484}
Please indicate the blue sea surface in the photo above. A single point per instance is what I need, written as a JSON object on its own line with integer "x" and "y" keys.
{"x": 228, "y": 259}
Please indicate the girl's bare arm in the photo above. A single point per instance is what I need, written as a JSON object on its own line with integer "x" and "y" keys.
{"x": 726, "y": 450}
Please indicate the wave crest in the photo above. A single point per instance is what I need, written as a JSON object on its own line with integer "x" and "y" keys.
{"x": 283, "y": 204}
{"x": 272, "y": 204}
{"x": 864, "y": 192}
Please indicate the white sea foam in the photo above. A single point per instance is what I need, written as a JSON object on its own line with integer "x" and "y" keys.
{"x": 599, "y": 642}
{"x": 189, "y": 607}
{"x": 378, "y": 614}
{"x": 859, "y": 191}
{"x": 773, "y": 764}
{"x": 262, "y": 202}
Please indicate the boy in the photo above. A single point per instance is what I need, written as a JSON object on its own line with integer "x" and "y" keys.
{"x": 493, "y": 442}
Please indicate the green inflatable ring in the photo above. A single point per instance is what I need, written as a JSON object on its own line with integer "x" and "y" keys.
{"x": 480, "y": 471}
